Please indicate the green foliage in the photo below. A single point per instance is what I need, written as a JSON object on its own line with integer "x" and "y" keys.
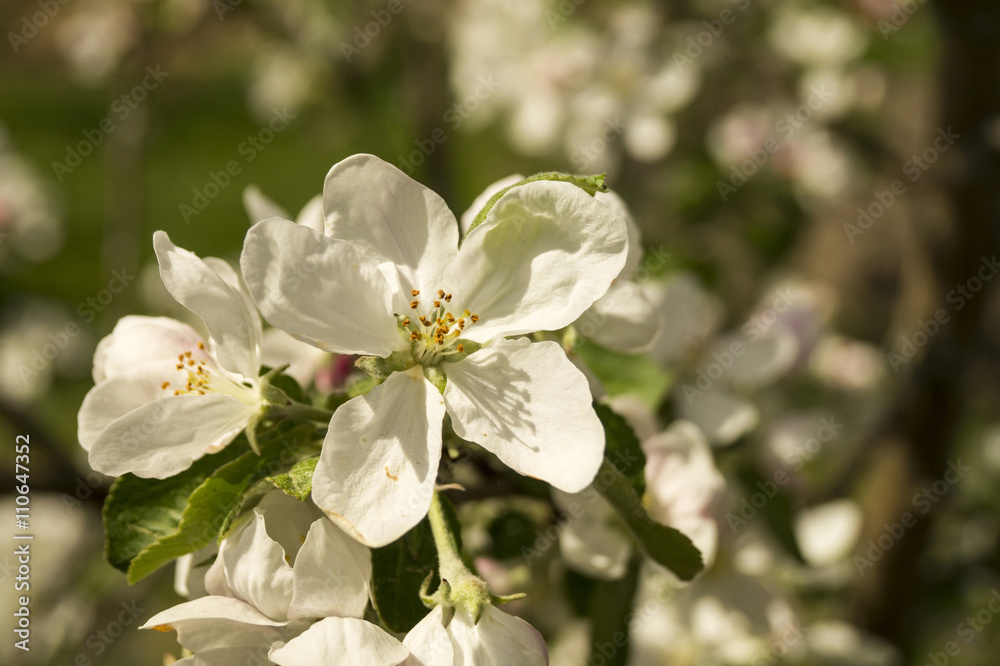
{"x": 398, "y": 571}
{"x": 664, "y": 545}
{"x": 622, "y": 448}
{"x": 149, "y": 522}
{"x": 297, "y": 481}
{"x": 634, "y": 374}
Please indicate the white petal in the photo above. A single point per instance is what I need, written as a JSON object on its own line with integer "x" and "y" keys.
{"x": 690, "y": 315}
{"x": 115, "y": 397}
{"x": 233, "y": 326}
{"x": 593, "y": 540}
{"x": 429, "y": 642}
{"x": 374, "y": 205}
{"x": 337, "y": 640}
{"x": 332, "y": 574}
{"x": 217, "y": 622}
{"x": 311, "y": 215}
{"x": 498, "y": 640}
{"x": 318, "y": 289}
{"x": 826, "y": 534}
{"x": 622, "y": 320}
{"x": 544, "y": 254}
{"x": 469, "y": 216}
{"x": 279, "y": 348}
{"x": 530, "y": 406}
{"x": 256, "y": 570}
{"x": 164, "y": 437}
{"x": 723, "y": 417}
{"x": 235, "y": 656}
{"x": 261, "y": 207}
{"x": 287, "y": 520}
{"x": 683, "y": 484}
{"x": 760, "y": 361}
{"x": 136, "y": 340}
{"x": 617, "y": 204}
{"x": 376, "y": 473}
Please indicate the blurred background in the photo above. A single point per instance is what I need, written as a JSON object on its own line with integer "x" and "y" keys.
{"x": 822, "y": 174}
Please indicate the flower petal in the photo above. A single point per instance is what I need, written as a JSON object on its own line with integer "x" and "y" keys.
{"x": 118, "y": 395}
{"x": 218, "y": 622}
{"x": 544, "y": 254}
{"x": 256, "y": 570}
{"x": 622, "y": 320}
{"x": 304, "y": 360}
{"x": 374, "y": 205}
{"x": 429, "y": 642}
{"x": 137, "y": 339}
{"x": 311, "y": 215}
{"x": 376, "y": 473}
{"x": 236, "y": 656}
{"x": 318, "y": 289}
{"x": 232, "y": 324}
{"x": 332, "y": 573}
{"x": 499, "y": 639}
{"x": 683, "y": 484}
{"x": 164, "y": 437}
{"x": 617, "y": 204}
{"x": 593, "y": 541}
{"x": 529, "y": 405}
{"x": 340, "y": 640}
{"x": 722, "y": 416}
{"x": 260, "y": 207}
{"x": 469, "y": 216}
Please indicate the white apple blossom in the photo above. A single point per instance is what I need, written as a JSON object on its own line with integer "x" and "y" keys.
{"x": 623, "y": 319}
{"x": 274, "y": 576}
{"x": 384, "y": 281}
{"x": 163, "y": 396}
{"x": 498, "y": 639}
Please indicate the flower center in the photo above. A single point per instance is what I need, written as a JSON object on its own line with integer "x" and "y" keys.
{"x": 199, "y": 378}
{"x": 435, "y": 334}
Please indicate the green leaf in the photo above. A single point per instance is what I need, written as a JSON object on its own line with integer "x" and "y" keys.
{"x": 210, "y": 509}
{"x": 398, "y": 570}
{"x": 297, "y": 481}
{"x": 633, "y": 374}
{"x": 362, "y": 385}
{"x": 589, "y": 184}
{"x": 622, "y": 448}
{"x": 138, "y": 512}
{"x": 664, "y": 545}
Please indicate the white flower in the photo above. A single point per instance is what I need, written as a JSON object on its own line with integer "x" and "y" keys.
{"x": 163, "y": 396}
{"x": 270, "y": 581}
{"x": 497, "y": 640}
{"x": 385, "y": 280}
{"x": 622, "y": 319}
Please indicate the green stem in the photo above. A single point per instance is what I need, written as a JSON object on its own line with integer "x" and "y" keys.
{"x": 297, "y": 410}
{"x": 450, "y": 564}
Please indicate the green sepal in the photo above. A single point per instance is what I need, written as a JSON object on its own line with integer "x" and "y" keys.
{"x": 468, "y": 346}
{"x": 379, "y": 367}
